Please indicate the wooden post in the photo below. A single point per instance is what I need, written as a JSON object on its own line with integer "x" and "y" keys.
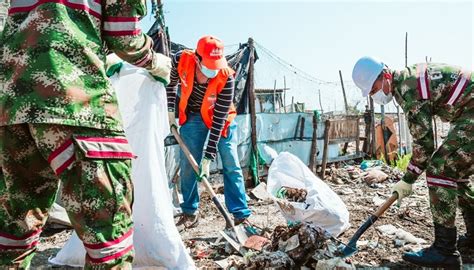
{"x": 297, "y": 126}
{"x": 274, "y": 97}
{"x": 344, "y": 93}
{"x": 374, "y": 145}
{"x": 344, "y": 148}
{"x": 400, "y": 134}
{"x": 314, "y": 143}
{"x": 284, "y": 93}
{"x": 302, "y": 128}
{"x": 253, "y": 115}
{"x": 292, "y": 104}
{"x": 320, "y": 104}
{"x": 399, "y": 131}
{"x": 382, "y": 124}
{"x": 406, "y": 49}
{"x": 358, "y": 137}
{"x": 325, "y": 151}
{"x": 366, "y": 144}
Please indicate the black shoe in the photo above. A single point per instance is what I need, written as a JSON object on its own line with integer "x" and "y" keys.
{"x": 467, "y": 241}
{"x": 443, "y": 252}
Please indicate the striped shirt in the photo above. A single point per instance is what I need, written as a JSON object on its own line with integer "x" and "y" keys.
{"x": 221, "y": 109}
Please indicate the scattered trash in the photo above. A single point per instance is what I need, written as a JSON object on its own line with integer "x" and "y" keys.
{"x": 373, "y": 244}
{"x": 375, "y": 176}
{"x": 399, "y": 242}
{"x": 377, "y": 200}
{"x": 362, "y": 243}
{"x": 400, "y": 234}
{"x": 370, "y": 164}
{"x": 256, "y": 242}
{"x": 292, "y": 194}
{"x": 346, "y": 191}
{"x": 230, "y": 261}
{"x": 334, "y": 263}
{"x": 290, "y": 244}
{"x": 260, "y": 192}
{"x": 299, "y": 242}
{"x": 322, "y": 206}
{"x": 265, "y": 260}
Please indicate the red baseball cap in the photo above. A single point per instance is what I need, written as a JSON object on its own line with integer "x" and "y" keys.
{"x": 211, "y": 50}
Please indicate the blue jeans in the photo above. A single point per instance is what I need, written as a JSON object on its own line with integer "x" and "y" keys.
{"x": 194, "y": 134}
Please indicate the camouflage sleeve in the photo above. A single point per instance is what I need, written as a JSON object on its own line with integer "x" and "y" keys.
{"x": 122, "y": 33}
{"x": 420, "y": 124}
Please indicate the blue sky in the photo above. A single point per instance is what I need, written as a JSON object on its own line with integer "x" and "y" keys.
{"x": 322, "y": 37}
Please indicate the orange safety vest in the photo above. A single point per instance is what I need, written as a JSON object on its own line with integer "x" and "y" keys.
{"x": 186, "y": 71}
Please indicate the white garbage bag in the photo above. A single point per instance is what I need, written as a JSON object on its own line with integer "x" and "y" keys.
{"x": 158, "y": 244}
{"x": 322, "y": 207}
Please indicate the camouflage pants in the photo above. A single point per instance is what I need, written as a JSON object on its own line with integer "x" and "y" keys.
{"x": 94, "y": 168}
{"x": 448, "y": 174}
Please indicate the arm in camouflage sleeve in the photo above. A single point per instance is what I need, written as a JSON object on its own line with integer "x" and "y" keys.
{"x": 421, "y": 129}
{"x": 124, "y": 37}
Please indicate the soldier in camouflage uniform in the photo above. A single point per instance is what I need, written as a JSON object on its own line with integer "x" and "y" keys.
{"x": 423, "y": 91}
{"x": 59, "y": 121}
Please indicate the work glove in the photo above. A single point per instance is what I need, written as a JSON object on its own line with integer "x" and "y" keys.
{"x": 204, "y": 168}
{"x": 113, "y": 64}
{"x": 161, "y": 68}
{"x": 403, "y": 189}
{"x": 172, "y": 119}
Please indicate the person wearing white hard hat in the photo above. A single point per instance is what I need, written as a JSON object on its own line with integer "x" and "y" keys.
{"x": 423, "y": 91}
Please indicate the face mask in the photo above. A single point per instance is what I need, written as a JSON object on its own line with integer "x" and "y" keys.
{"x": 209, "y": 73}
{"x": 381, "y": 98}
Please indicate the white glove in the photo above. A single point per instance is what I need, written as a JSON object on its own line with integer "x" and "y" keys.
{"x": 161, "y": 68}
{"x": 204, "y": 168}
{"x": 113, "y": 64}
{"x": 112, "y": 59}
{"x": 172, "y": 119}
{"x": 403, "y": 189}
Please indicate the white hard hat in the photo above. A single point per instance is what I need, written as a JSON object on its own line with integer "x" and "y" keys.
{"x": 365, "y": 72}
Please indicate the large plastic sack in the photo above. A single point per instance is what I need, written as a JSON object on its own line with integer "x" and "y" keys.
{"x": 322, "y": 206}
{"x": 158, "y": 244}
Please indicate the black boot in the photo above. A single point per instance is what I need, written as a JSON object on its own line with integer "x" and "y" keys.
{"x": 442, "y": 253}
{"x": 467, "y": 240}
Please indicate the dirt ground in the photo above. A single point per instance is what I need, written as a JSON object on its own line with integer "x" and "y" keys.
{"x": 376, "y": 250}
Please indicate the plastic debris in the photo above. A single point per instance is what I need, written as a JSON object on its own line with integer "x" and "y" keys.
{"x": 256, "y": 242}
{"x": 292, "y": 194}
{"x": 375, "y": 176}
{"x": 334, "y": 263}
{"x": 260, "y": 192}
{"x": 400, "y": 234}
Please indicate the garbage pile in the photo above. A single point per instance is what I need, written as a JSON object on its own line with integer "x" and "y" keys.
{"x": 292, "y": 194}
{"x": 290, "y": 247}
{"x": 369, "y": 171}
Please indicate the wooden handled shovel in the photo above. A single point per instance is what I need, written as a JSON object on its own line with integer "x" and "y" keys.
{"x": 351, "y": 248}
{"x": 222, "y": 210}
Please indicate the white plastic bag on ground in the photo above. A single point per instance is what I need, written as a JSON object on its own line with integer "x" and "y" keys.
{"x": 158, "y": 244}
{"x": 322, "y": 207}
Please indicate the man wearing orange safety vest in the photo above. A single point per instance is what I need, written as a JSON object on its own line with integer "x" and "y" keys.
{"x": 206, "y": 113}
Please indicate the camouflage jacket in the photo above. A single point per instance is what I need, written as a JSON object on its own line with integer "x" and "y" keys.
{"x": 425, "y": 90}
{"x": 53, "y": 53}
